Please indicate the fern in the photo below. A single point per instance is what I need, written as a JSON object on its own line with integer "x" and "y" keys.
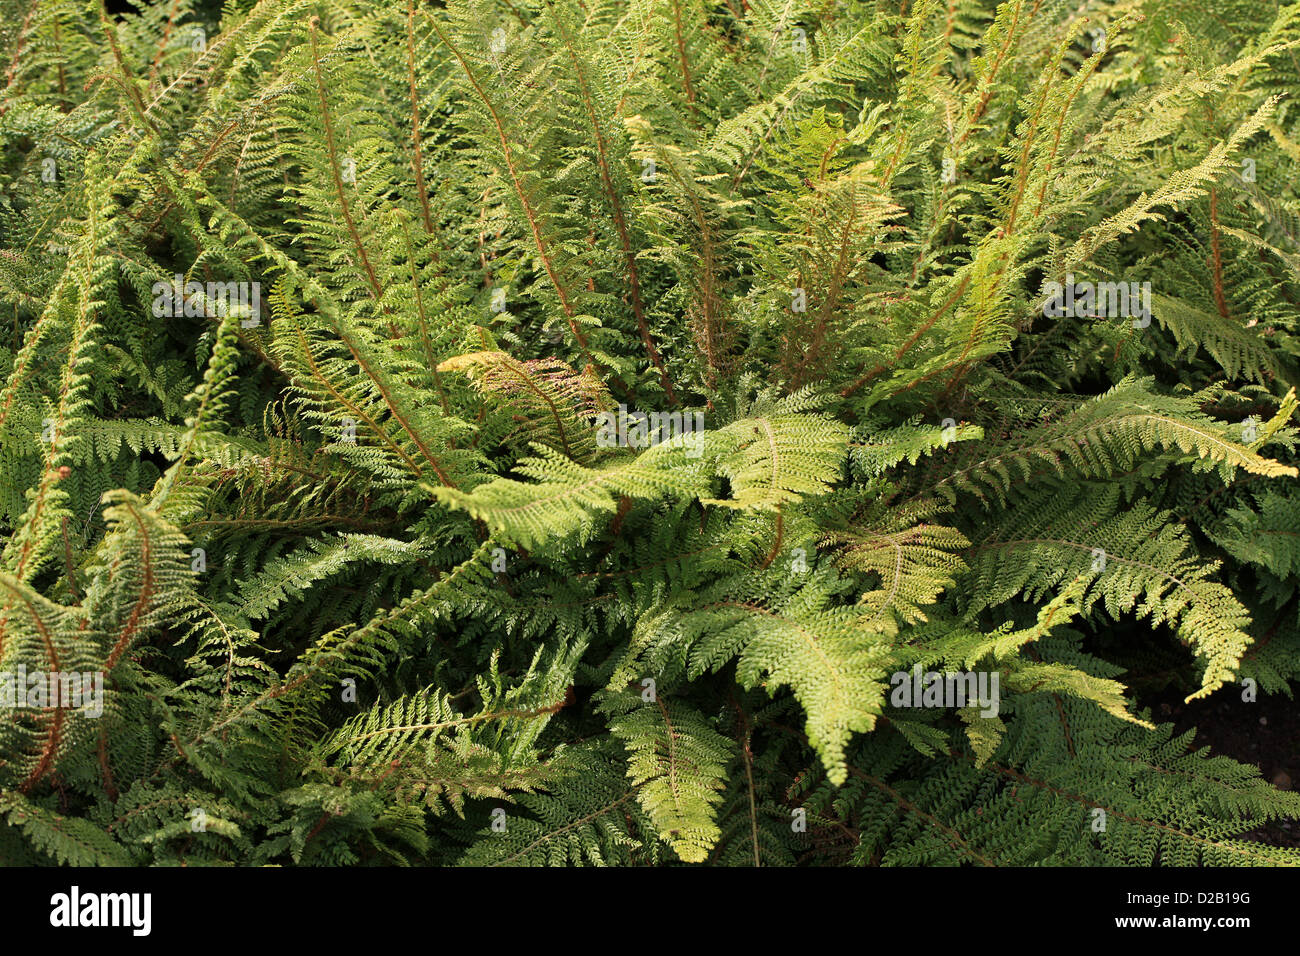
{"x": 367, "y": 575}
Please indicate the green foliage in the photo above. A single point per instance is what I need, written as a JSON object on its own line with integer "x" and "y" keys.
{"x": 634, "y": 399}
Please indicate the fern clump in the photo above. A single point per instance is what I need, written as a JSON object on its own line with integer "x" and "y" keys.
{"x": 643, "y": 431}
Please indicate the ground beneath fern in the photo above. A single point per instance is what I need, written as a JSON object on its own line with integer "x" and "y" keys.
{"x": 1265, "y": 733}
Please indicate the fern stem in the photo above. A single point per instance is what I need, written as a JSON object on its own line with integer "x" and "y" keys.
{"x": 421, "y": 189}
{"x": 344, "y": 208}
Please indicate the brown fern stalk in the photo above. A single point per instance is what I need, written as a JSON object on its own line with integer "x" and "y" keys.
{"x": 616, "y": 208}
{"x": 1216, "y": 257}
{"x": 906, "y": 346}
{"x": 362, "y": 415}
{"x": 531, "y": 214}
{"x": 982, "y": 104}
{"x": 53, "y": 735}
{"x": 844, "y": 266}
{"x": 335, "y": 173}
{"x": 12, "y": 72}
{"x": 681, "y": 55}
{"x": 421, "y": 189}
{"x": 162, "y": 42}
{"x": 425, "y": 340}
{"x": 143, "y": 600}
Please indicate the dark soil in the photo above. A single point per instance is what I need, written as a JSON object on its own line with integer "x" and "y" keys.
{"x": 1265, "y": 733}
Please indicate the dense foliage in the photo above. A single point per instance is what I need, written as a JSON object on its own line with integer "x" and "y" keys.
{"x": 565, "y": 431}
